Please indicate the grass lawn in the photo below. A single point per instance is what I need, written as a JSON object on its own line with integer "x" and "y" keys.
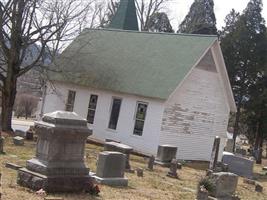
{"x": 154, "y": 185}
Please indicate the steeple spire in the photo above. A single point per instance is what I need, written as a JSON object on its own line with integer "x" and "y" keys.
{"x": 125, "y": 17}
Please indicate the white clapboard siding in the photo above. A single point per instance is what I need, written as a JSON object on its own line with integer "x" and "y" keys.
{"x": 147, "y": 143}
{"x": 195, "y": 114}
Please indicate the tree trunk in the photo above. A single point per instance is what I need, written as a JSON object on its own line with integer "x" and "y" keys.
{"x": 8, "y": 100}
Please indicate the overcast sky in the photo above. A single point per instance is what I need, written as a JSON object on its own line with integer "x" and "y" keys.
{"x": 177, "y": 10}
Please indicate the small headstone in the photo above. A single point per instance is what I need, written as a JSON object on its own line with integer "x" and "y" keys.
{"x": 165, "y": 154}
{"x": 19, "y": 141}
{"x": 12, "y": 166}
{"x": 110, "y": 169}
{"x": 258, "y": 188}
{"x": 225, "y": 184}
{"x": 20, "y": 133}
{"x": 240, "y": 151}
{"x": 53, "y": 198}
{"x": 173, "y": 169}
{"x": 249, "y": 181}
{"x": 29, "y": 135}
{"x": 214, "y": 153}
{"x": 2, "y": 144}
{"x": 202, "y": 194}
{"x": 264, "y": 168}
{"x": 179, "y": 166}
{"x": 139, "y": 172}
{"x": 239, "y": 165}
{"x": 125, "y": 149}
{"x": 151, "y": 162}
{"x": 229, "y": 145}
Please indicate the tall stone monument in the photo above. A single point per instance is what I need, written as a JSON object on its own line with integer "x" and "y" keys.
{"x": 214, "y": 153}
{"x": 59, "y": 163}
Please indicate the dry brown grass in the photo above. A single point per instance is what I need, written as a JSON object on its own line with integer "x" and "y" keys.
{"x": 154, "y": 185}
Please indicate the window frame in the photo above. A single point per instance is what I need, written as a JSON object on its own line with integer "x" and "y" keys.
{"x": 72, "y": 103}
{"x": 110, "y": 112}
{"x": 92, "y": 109}
{"x": 136, "y": 119}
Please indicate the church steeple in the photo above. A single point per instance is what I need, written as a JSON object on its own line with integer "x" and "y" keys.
{"x": 125, "y": 17}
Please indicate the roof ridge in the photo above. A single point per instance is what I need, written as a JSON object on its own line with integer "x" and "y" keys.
{"x": 147, "y": 32}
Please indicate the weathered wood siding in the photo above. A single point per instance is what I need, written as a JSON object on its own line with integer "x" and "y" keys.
{"x": 196, "y": 113}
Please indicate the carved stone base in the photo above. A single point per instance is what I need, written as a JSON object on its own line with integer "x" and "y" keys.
{"x": 38, "y": 181}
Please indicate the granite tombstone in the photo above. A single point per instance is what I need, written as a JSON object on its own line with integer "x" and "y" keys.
{"x": 59, "y": 163}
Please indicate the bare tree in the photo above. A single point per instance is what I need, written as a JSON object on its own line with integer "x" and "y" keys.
{"x": 25, "y": 105}
{"x": 146, "y": 9}
{"x": 26, "y": 23}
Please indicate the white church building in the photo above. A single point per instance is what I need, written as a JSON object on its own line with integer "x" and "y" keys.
{"x": 145, "y": 89}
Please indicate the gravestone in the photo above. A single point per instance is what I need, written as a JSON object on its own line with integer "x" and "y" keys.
{"x": 29, "y": 134}
{"x": 225, "y": 184}
{"x": 240, "y": 151}
{"x": 229, "y": 145}
{"x": 119, "y": 147}
{"x": 139, "y": 172}
{"x": 2, "y": 139}
{"x": 214, "y": 153}
{"x": 110, "y": 169}
{"x": 258, "y": 188}
{"x": 150, "y": 164}
{"x": 59, "y": 163}
{"x": 20, "y": 133}
{"x": 239, "y": 165}
{"x": 165, "y": 154}
{"x": 18, "y": 141}
{"x": 173, "y": 169}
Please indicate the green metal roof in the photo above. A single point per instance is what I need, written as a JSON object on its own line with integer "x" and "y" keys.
{"x": 140, "y": 63}
{"x": 125, "y": 17}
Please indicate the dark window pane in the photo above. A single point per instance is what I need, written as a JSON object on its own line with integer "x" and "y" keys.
{"x": 138, "y": 127}
{"x": 114, "y": 116}
{"x": 91, "y": 116}
{"x": 93, "y": 101}
{"x": 92, "y": 108}
{"x": 140, "y": 118}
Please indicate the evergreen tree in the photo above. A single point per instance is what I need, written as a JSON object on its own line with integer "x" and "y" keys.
{"x": 243, "y": 44}
{"x": 200, "y": 19}
{"x": 159, "y": 22}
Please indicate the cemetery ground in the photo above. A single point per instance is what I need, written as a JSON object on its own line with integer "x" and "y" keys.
{"x": 154, "y": 185}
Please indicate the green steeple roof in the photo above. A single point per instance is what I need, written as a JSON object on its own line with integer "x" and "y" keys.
{"x": 125, "y": 17}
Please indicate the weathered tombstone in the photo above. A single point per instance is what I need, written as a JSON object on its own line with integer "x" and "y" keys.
{"x": 165, "y": 154}
{"x": 125, "y": 149}
{"x": 239, "y": 165}
{"x": 110, "y": 169}
{"x": 225, "y": 184}
{"x": 229, "y": 145}
{"x": 214, "y": 153}
{"x": 2, "y": 139}
{"x": 151, "y": 161}
{"x": 20, "y": 133}
{"x": 258, "y": 188}
{"x": 240, "y": 151}
{"x": 19, "y": 141}
{"x": 29, "y": 135}
{"x": 139, "y": 172}
{"x": 173, "y": 169}
{"x": 59, "y": 163}
{"x": 12, "y": 166}
{"x": 202, "y": 194}
{"x": 53, "y": 198}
